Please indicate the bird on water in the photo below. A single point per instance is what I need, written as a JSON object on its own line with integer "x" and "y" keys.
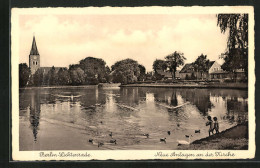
{"x": 163, "y": 140}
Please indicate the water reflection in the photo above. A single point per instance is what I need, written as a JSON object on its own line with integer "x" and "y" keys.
{"x": 35, "y": 110}
{"x": 129, "y": 112}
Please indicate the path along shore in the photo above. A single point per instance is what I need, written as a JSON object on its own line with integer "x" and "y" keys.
{"x": 242, "y": 86}
{"x": 233, "y": 138}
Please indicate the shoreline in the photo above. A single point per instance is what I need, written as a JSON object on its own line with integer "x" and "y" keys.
{"x": 239, "y": 86}
{"x": 200, "y": 86}
{"x": 233, "y": 138}
{"x": 62, "y": 86}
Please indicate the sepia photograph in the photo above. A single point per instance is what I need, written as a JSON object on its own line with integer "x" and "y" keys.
{"x": 157, "y": 82}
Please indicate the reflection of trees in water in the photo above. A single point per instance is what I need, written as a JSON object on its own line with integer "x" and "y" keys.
{"x": 237, "y": 110}
{"x": 129, "y": 96}
{"x": 92, "y": 104}
{"x": 174, "y": 101}
{"x": 35, "y": 109}
{"x": 168, "y": 97}
{"x": 199, "y": 97}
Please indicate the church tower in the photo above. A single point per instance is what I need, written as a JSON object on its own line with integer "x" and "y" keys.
{"x": 34, "y": 57}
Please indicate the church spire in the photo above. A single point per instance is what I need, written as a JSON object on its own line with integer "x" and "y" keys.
{"x": 34, "y": 50}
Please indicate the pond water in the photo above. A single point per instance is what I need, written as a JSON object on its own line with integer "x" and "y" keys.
{"x": 66, "y": 118}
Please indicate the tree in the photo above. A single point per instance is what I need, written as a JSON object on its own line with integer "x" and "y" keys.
{"x": 173, "y": 61}
{"x": 38, "y": 78}
{"x": 52, "y": 76}
{"x": 77, "y": 75}
{"x": 107, "y": 74}
{"x": 159, "y": 65}
{"x": 24, "y": 74}
{"x": 142, "y": 72}
{"x": 63, "y": 77}
{"x": 94, "y": 68}
{"x": 201, "y": 64}
{"x": 125, "y": 71}
{"x": 236, "y": 56}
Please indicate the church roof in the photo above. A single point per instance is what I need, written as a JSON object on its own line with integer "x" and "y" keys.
{"x": 34, "y": 50}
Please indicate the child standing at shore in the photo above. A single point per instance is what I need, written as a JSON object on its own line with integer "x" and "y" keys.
{"x": 216, "y": 125}
{"x": 210, "y": 123}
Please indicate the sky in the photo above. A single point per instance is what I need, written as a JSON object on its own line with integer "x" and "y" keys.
{"x": 66, "y": 39}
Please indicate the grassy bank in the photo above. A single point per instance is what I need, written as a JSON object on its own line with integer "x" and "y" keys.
{"x": 243, "y": 86}
{"x": 233, "y": 138}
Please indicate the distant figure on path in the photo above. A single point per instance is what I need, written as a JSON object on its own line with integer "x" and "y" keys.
{"x": 211, "y": 126}
{"x": 216, "y": 125}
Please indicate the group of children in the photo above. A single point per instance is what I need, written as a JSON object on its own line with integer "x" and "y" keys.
{"x": 213, "y": 125}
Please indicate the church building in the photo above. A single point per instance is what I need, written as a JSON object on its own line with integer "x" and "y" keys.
{"x": 34, "y": 57}
{"x": 34, "y": 60}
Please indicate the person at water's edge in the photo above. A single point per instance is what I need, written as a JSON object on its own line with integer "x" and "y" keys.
{"x": 210, "y": 123}
{"x": 216, "y": 125}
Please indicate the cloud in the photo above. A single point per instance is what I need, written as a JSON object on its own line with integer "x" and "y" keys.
{"x": 65, "y": 40}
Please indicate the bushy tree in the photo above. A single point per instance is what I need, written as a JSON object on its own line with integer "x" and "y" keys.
{"x": 159, "y": 65}
{"x": 201, "y": 64}
{"x": 63, "y": 77}
{"x": 38, "y": 78}
{"x": 125, "y": 71}
{"x": 107, "y": 75}
{"x": 173, "y": 61}
{"x": 142, "y": 75}
{"x": 77, "y": 76}
{"x": 24, "y": 74}
{"x": 94, "y": 68}
{"x": 52, "y": 76}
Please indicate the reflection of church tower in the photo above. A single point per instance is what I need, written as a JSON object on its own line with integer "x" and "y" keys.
{"x": 35, "y": 110}
{"x": 34, "y": 57}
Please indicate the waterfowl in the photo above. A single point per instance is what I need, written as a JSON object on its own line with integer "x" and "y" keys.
{"x": 183, "y": 142}
{"x": 163, "y": 140}
{"x": 101, "y": 122}
{"x": 178, "y": 125}
{"x": 113, "y": 141}
{"x": 147, "y": 135}
{"x": 100, "y": 144}
{"x": 169, "y": 132}
{"x": 90, "y": 140}
{"x": 110, "y": 134}
{"x": 197, "y": 131}
{"x": 187, "y": 136}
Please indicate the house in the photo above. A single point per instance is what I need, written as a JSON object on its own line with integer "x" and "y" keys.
{"x": 165, "y": 74}
{"x": 189, "y": 72}
{"x": 216, "y": 72}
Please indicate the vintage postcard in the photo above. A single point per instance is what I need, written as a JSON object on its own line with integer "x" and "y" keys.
{"x": 133, "y": 83}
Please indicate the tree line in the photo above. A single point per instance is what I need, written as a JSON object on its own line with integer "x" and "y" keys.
{"x": 89, "y": 71}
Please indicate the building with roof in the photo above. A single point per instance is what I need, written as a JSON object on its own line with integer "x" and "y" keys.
{"x": 34, "y": 60}
{"x": 189, "y": 72}
{"x": 34, "y": 57}
{"x": 216, "y": 72}
{"x": 167, "y": 75}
